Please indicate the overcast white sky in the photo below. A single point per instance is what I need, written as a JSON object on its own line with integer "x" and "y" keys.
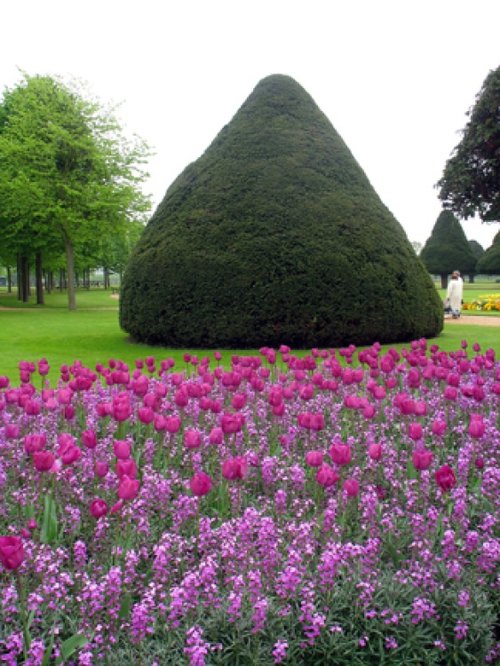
{"x": 395, "y": 77}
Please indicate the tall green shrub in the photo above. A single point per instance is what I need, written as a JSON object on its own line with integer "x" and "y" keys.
{"x": 489, "y": 262}
{"x": 447, "y": 248}
{"x": 275, "y": 235}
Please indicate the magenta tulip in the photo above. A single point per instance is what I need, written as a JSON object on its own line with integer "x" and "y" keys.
{"x": 126, "y": 468}
{"x": 445, "y": 478}
{"x": 326, "y": 476}
{"x": 11, "y": 552}
{"x": 128, "y": 488}
{"x": 172, "y": 424}
{"x": 351, "y": 487}
{"x": 422, "y": 459}
{"x": 341, "y": 454}
{"x": 122, "y": 449}
{"x": 415, "y": 431}
{"x": 43, "y": 460}
{"x": 101, "y": 468}
{"x": 89, "y": 439}
{"x": 200, "y": 484}
{"x": 234, "y": 468}
{"x": 34, "y": 442}
{"x": 375, "y": 451}
{"x": 98, "y": 508}
{"x": 192, "y": 439}
{"x": 314, "y": 458}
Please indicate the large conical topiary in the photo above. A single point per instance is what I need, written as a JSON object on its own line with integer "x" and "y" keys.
{"x": 275, "y": 235}
{"x": 489, "y": 262}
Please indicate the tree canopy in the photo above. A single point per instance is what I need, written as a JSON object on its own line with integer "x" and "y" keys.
{"x": 470, "y": 183}
{"x": 476, "y": 248}
{"x": 274, "y": 235}
{"x": 68, "y": 177}
{"x": 447, "y": 248}
{"x": 489, "y": 262}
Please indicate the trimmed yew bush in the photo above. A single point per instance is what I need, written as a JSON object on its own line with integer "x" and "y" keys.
{"x": 276, "y": 235}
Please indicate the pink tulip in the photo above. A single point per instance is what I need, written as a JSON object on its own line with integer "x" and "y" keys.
{"x": 341, "y": 454}
{"x": 239, "y": 400}
{"x": 476, "y": 427}
{"x": 216, "y": 436}
{"x": 445, "y": 478}
{"x": 326, "y": 476}
{"x": 101, "y": 468}
{"x": 89, "y": 439}
{"x": 438, "y": 427}
{"x": 200, "y": 484}
{"x": 34, "y": 442}
{"x": 145, "y": 415}
{"x": 126, "y": 468}
{"x": 479, "y": 462}
{"x": 122, "y": 408}
{"x": 122, "y": 449}
{"x": 375, "y": 451}
{"x": 422, "y": 459}
{"x": 231, "y": 423}
{"x": 43, "y": 460}
{"x": 70, "y": 455}
{"x": 98, "y": 508}
{"x": 12, "y": 431}
{"x": 11, "y": 552}
{"x": 172, "y": 424}
{"x": 192, "y": 439}
{"x": 415, "y": 431}
{"x": 351, "y": 487}
{"x": 314, "y": 458}
{"x": 128, "y": 488}
{"x": 234, "y": 468}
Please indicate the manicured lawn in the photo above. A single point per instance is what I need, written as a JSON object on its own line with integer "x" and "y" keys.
{"x": 92, "y": 334}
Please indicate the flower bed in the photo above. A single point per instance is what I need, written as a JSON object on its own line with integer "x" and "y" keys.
{"x": 485, "y": 303}
{"x": 332, "y": 509}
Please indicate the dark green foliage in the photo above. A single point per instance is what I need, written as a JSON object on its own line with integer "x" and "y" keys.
{"x": 471, "y": 178}
{"x": 447, "y": 248}
{"x": 489, "y": 263}
{"x": 275, "y": 235}
{"x": 476, "y": 248}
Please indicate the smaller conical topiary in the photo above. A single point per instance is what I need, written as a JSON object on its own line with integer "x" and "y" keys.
{"x": 447, "y": 248}
{"x": 489, "y": 263}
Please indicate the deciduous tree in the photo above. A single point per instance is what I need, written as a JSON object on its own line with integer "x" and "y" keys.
{"x": 471, "y": 180}
{"x": 67, "y": 174}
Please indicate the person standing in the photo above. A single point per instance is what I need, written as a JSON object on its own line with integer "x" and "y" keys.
{"x": 454, "y": 294}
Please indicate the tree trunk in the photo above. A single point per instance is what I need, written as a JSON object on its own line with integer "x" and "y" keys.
{"x": 70, "y": 272}
{"x": 39, "y": 279}
{"x": 471, "y": 278}
{"x": 105, "y": 273}
{"x": 444, "y": 280}
{"x": 24, "y": 278}
{"x": 9, "y": 280}
{"x": 19, "y": 278}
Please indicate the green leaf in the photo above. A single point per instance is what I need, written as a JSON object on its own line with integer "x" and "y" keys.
{"x": 411, "y": 472}
{"x": 48, "y": 532}
{"x": 48, "y": 652}
{"x": 70, "y": 646}
{"x": 125, "y": 605}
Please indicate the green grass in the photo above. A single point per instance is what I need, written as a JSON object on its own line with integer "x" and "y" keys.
{"x": 92, "y": 335}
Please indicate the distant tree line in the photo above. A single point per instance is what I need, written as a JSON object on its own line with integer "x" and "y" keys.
{"x": 70, "y": 197}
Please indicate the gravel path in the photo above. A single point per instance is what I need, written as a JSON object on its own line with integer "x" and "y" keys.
{"x": 477, "y": 320}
